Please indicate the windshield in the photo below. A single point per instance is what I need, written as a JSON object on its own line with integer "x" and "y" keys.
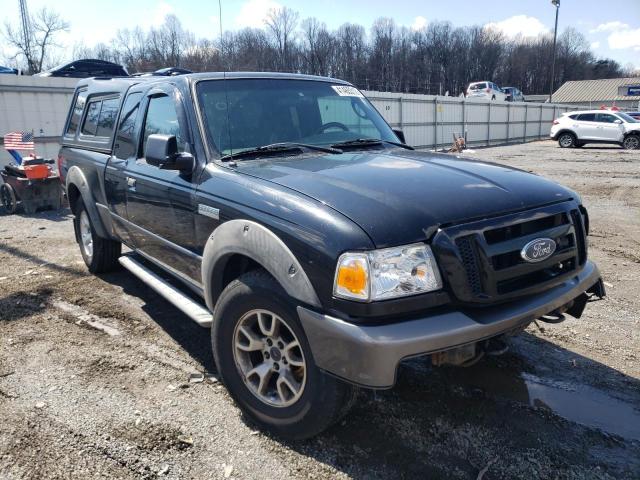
{"x": 242, "y": 114}
{"x": 627, "y": 118}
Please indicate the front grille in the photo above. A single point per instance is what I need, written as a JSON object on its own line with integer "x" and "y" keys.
{"x": 488, "y": 267}
{"x": 470, "y": 262}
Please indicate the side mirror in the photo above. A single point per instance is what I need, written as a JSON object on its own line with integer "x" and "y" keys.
{"x": 162, "y": 151}
{"x": 400, "y": 134}
{"x": 617, "y": 121}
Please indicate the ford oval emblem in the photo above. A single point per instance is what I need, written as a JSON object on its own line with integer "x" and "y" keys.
{"x": 538, "y": 250}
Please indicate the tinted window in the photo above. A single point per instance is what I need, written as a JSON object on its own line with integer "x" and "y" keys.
{"x": 606, "y": 118}
{"x": 125, "y": 146}
{"x": 107, "y": 118}
{"x": 76, "y": 114}
{"x": 587, "y": 117}
{"x": 90, "y": 124}
{"x": 162, "y": 118}
{"x": 478, "y": 86}
{"x": 573, "y": 117}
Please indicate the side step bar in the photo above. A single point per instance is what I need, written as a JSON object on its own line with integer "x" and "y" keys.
{"x": 191, "y": 308}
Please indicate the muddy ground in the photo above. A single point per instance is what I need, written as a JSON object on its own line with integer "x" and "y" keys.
{"x": 94, "y": 372}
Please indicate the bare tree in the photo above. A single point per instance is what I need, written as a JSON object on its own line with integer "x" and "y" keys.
{"x": 281, "y": 23}
{"x": 35, "y": 49}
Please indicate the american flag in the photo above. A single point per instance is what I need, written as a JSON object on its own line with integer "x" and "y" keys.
{"x": 19, "y": 141}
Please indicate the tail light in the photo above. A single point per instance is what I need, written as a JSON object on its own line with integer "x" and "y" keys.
{"x": 556, "y": 122}
{"x": 488, "y": 90}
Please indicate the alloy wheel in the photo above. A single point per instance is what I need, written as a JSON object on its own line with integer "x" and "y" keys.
{"x": 86, "y": 238}
{"x": 269, "y": 358}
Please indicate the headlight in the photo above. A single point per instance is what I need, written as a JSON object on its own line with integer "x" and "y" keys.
{"x": 387, "y": 273}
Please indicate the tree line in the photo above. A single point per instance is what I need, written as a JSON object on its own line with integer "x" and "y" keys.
{"x": 436, "y": 59}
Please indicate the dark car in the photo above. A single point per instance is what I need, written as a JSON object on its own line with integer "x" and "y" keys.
{"x": 164, "y": 72}
{"x": 635, "y": 115}
{"x": 513, "y": 94}
{"x": 86, "y": 68}
{"x": 283, "y": 212}
{"x": 8, "y": 70}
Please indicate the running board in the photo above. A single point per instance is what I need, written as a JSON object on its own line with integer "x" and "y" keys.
{"x": 190, "y": 307}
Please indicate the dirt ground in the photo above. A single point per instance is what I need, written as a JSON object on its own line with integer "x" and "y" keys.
{"x": 95, "y": 372}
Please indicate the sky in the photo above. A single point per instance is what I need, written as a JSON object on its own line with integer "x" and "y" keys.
{"x": 612, "y": 27}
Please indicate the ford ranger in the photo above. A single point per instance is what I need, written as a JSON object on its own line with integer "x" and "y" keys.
{"x": 284, "y": 213}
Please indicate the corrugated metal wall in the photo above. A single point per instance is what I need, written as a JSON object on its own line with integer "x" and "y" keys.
{"x": 430, "y": 121}
{"x": 40, "y": 104}
{"x": 37, "y": 104}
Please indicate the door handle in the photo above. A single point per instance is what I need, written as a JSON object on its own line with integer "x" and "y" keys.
{"x": 131, "y": 184}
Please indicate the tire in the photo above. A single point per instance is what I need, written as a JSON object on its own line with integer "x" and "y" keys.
{"x": 319, "y": 399}
{"x": 567, "y": 140}
{"x": 99, "y": 254}
{"x": 8, "y": 196}
{"x": 631, "y": 142}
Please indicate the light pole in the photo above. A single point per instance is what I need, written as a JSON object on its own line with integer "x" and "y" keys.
{"x": 555, "y": 3}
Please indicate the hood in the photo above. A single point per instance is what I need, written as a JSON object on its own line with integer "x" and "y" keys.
{"x": 395, "y": 195}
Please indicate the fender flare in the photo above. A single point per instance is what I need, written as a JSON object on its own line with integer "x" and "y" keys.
{"x": 257, "y": 242}
{"x": 76, "y": 177}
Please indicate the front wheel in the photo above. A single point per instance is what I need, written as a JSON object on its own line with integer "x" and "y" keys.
{"x": 566, "y": 140}
{"x": 265, "y": 361}
{"x": 632, "y": 142}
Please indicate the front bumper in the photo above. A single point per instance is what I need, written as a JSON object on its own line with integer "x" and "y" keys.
{"x": 369, "y": 355}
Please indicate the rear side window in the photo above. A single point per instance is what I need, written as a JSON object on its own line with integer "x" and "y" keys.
{"x": 587, "y": 117}
{"x": 76, "y": 114}
{"x": 107, "y": 118}
{"x": 125, "y": 146}
{"x": 100, "y": 118}
{"x": 90, "y": 124}
{"x": 574, "y": 116}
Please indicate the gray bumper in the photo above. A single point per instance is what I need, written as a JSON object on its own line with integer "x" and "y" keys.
{"x": 369, "y": 355}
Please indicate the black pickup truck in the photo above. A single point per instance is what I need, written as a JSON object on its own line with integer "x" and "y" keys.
{"x": 283, "y": 212}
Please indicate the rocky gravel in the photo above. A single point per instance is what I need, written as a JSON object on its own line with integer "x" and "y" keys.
{"x": 101, "y": 378}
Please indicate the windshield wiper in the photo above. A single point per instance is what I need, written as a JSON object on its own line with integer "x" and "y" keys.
{"x": 281, "y": 147}
{"x": 368, "y": 142}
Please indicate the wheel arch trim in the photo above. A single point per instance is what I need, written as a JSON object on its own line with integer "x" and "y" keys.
{"x": 75, "y": 177}
{"x": 248, "y": 238}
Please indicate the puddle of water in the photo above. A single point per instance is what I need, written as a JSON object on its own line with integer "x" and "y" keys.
{"x": 578, "y": 403}
{"x": 587, "y": 406}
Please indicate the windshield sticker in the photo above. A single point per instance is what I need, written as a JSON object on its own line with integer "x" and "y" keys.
{"x": 347, "y": 91}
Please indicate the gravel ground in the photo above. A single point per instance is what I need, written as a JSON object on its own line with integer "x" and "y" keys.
{"x": 95, "y": 372}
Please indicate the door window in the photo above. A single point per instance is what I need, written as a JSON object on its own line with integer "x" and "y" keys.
{"x": 605, "y": 118}
{"x": 162, "y": 118}
{"x": 125, "y": 145}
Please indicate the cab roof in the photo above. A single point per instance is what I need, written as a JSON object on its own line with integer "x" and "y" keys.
{"x": 120, "y": 84}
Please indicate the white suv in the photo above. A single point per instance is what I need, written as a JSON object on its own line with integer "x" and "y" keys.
{"x": 574, "y": 129}
{"x": 486, "y": 90}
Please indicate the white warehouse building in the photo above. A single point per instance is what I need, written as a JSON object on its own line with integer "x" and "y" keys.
{"x": 620, "y": 92}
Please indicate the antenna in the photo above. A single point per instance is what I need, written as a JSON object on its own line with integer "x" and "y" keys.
{"x": 224, "y": 80}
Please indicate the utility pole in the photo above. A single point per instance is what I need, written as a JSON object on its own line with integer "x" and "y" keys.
{"x": 26, "y": 32}
{"x": 555, "y": 3}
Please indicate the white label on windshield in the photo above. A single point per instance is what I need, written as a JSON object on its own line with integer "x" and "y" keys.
{"x": 347, "y": 91}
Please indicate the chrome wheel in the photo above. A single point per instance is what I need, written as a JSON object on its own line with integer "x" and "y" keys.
{"x": 86, "y": 239}
{"x": 269, "y": 357}
{"x": 632, "y": 142}
{"x": 565, "y": 140}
